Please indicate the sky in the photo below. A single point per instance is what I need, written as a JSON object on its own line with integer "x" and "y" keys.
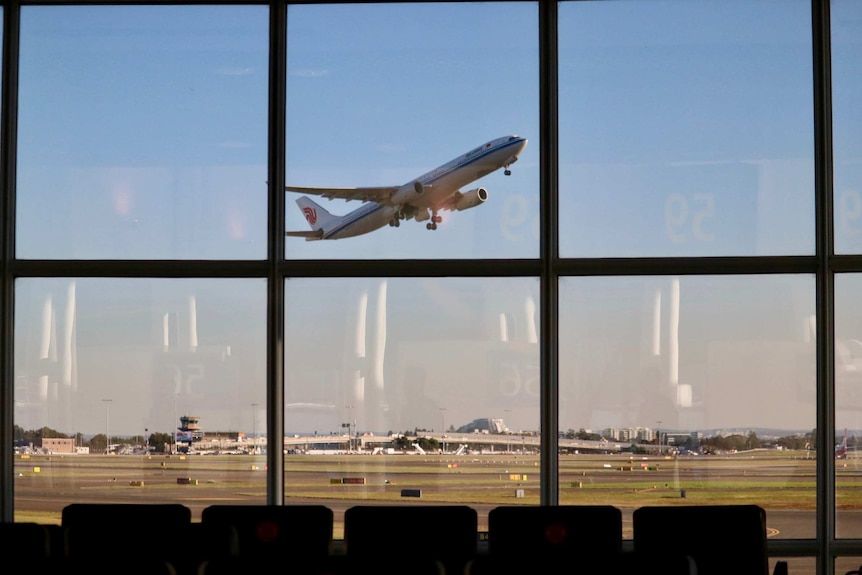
{"x": 685, "y": 130}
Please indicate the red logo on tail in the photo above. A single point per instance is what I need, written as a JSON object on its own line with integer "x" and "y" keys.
{"x": 310, "y": 215}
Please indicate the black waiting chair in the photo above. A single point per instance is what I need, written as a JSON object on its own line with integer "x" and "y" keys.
{"x": 27, "y": 539}
{"x": 550, "y": 539}
{"x": 721, "y": 539}
{"x": 276, "y": 530}
{"x": 109, "y": 538}
{"x": 198, "y": 543}
{"x": 118, "y": 525}
{"x": 439, "y": 538}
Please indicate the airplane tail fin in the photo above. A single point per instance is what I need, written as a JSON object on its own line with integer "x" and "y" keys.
{"x": 316, "y": 216}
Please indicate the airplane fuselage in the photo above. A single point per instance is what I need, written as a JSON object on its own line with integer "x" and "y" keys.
{"x": 467, "y": 168}
{"x": 367, "y": 218}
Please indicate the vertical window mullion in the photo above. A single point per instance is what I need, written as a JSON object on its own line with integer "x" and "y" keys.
{"x": 825, "y": 283}
{"x": 275, "y": 253}
{"x": 8, "y": 135}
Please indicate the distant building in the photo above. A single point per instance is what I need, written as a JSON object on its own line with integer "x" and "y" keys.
{"x": 58, "y": 444}
{"x": 484, "y": 425}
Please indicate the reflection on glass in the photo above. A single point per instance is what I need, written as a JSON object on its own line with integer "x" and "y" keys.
{"x": 123, "y": 384}
{"x": 685, "y": 129}
{"x": 157, "y": 147}
{"x": 694, "y": 388}
{"x": 369, "y": 107}
{"x": 431, "y": 386}
{"x": 843, "y": 565}
{"x": 848, "y": 404}
{"x": 847, "y": 118}
{"x": 803, "y": 565}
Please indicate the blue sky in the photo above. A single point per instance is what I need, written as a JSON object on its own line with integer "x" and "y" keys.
{"x": 685, "y": 129}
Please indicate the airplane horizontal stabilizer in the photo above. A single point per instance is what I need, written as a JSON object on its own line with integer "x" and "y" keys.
{"x": 308, "y": 235}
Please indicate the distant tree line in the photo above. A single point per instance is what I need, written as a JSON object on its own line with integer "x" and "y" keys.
{"x": 159, "y": 442}
{"x": 718, "y": 443}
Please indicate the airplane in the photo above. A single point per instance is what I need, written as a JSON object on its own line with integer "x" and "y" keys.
{"x": 841, "y": 449}
{"x": 420, "y": 199}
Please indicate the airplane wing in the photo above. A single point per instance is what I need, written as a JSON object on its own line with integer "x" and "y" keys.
{"x": 379, "y": 194}
{"x": 449, "y": 202}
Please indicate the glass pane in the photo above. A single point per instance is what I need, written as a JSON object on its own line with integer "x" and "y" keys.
{"x": 848, "y": 405}
{"x": 142, "y": 132}
{"x": 166, "y": 370}
{"x": 694, "y": 389}
{"x": 686, "y": 128}
{"x": 847, "y": 119}
{"x": 431, "y": 384}
{"x": 845, "y": 565}
{"x": 407, "y": 98}
{"x": 804, "y": 565}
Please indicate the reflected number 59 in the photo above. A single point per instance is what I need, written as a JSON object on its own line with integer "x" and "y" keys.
{"x": 686, "y": 216}
{"x": 850, "y": 213}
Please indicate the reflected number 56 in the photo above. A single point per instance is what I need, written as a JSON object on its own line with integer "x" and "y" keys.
{"x": 518, "y": 379}
{"x": 186, "y": 377}
{"x": 686, "y": 216}
{"x": 515, "y": 219}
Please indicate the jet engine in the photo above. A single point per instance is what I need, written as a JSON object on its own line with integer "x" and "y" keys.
{"x": 407, "y": 193}
{"x": 471, "y": 199}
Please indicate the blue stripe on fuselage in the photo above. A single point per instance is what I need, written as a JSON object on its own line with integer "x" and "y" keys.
{"x": 474, "y": 159}
{"x": 354, "y": 217}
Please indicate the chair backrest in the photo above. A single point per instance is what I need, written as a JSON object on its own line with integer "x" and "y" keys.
{"x": 26, "y": 539}
{"x": 197, "y": 543}
{"x": 105, "y": 515}
{"x": 276, "y": 530}
{"x": 448, "y": 534}
{"x": 555, "y": 530}
{"x": 721, "y": 539}
{"x": 667, "y": 563}
{"x": 97, "y": 564}
{"x": 117, "y": 524}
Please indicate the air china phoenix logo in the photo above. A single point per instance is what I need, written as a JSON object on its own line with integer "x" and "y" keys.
{"x": 310, "y": 215}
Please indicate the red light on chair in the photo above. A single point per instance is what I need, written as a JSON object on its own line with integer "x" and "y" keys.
{"x": 556, "y": 533}
{"x": 267, "y": 531}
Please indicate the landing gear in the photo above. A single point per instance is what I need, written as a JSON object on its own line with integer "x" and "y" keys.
{"x": 507, "y": 171}
{"x": 435, "y": 219}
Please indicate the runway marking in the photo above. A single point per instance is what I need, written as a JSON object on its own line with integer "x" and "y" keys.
{"x": 772, "y": 532}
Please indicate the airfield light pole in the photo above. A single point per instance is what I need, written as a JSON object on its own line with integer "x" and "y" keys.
{"x": 107, "y": 419}
{"x": 658, "y": 432}
{"x": 146, "y": 441}
{"x": 253, "y": 428}
{"x": 175, "y": 423}
{"x": 508, "y": 433}
{"x": 350, "y": 425}
{"x": 443, "y": 427}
